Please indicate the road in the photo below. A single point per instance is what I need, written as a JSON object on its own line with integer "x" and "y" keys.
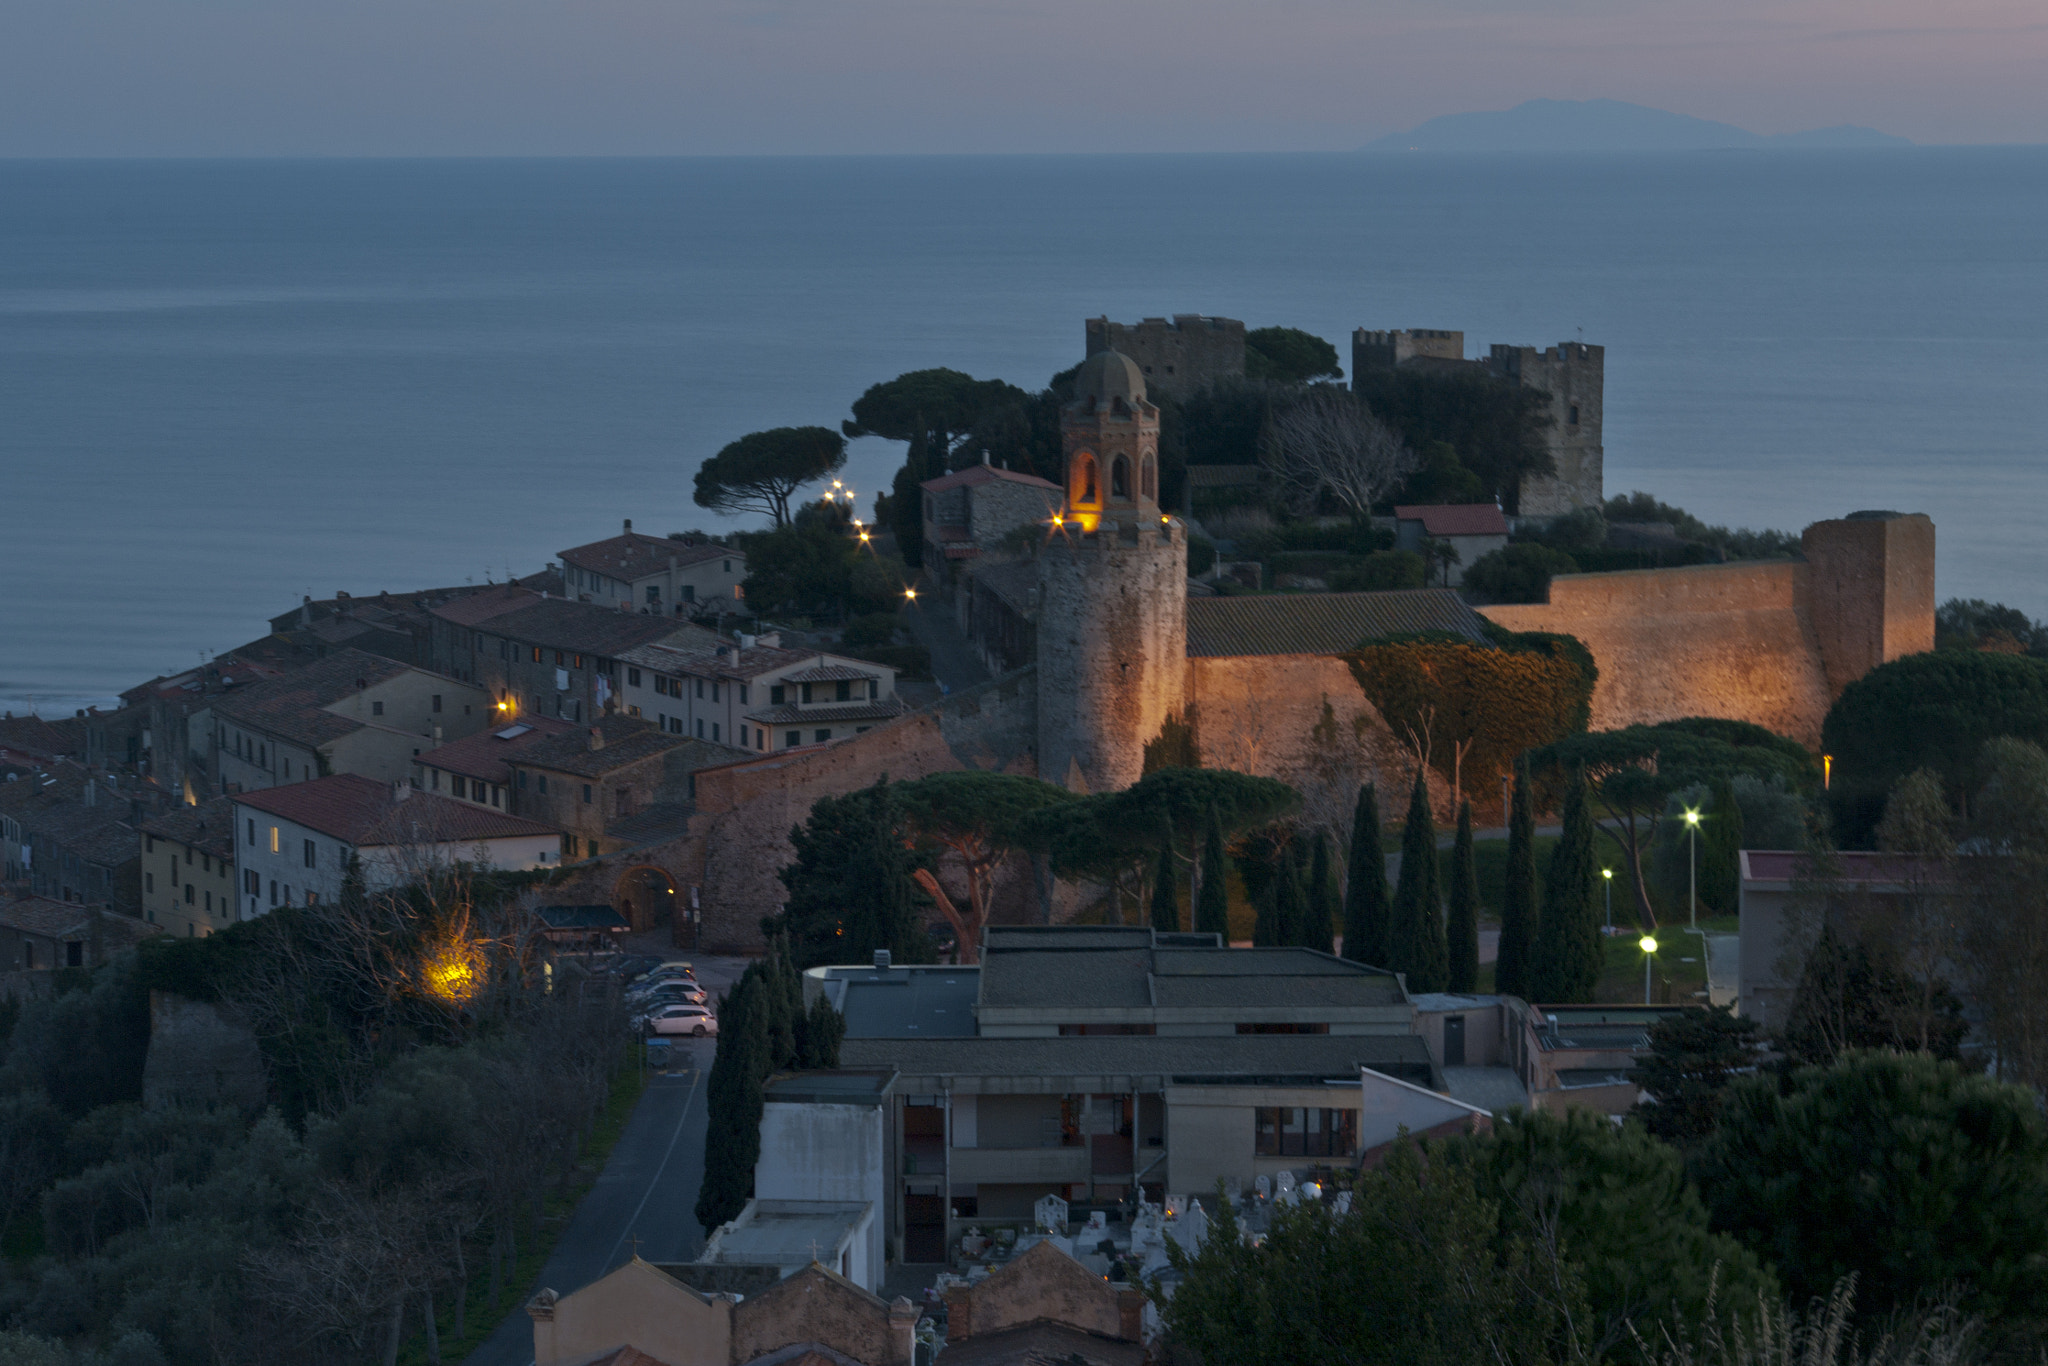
{"x": 644, "y": 1200}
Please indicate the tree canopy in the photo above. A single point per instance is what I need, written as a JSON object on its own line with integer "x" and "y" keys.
{"x": 760, "y": 471}
{"x": 982, "y": 819}
{"x": 1497, "y": 429}
{"x": 851, "y": 887}
{"x": 814, "y": 567}
{"x": 1289, "y": 355}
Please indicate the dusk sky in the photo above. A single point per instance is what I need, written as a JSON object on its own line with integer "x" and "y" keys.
{"x": 635, "y": 77}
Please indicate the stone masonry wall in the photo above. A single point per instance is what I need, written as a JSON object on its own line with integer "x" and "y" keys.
{"x": 1177, "y": 357}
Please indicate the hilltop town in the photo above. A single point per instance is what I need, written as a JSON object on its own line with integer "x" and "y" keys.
{"x": 1064, "y": 829}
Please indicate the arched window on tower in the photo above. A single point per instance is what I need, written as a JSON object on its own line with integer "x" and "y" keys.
{"x": 1120, "y": 478}
{"x": 1084, "y": 479}
{"x": 1148, "y": 478}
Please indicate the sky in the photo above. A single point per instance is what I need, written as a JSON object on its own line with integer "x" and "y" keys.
{"x": 715, "y": 77}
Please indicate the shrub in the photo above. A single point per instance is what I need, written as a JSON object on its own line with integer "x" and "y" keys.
{"x": 1516, "y": 573}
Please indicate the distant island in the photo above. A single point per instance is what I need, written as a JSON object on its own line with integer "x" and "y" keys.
{"x": 1605, "y": 126}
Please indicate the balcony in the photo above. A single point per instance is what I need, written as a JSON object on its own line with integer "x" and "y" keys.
{"x": 1019, "y": 1166}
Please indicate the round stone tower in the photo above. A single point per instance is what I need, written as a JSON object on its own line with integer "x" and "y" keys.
{"x": 1112, "y": 589}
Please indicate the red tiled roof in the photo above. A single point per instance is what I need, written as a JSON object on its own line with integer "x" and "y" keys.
{"x": 363, "y": 811}
{"x": 474, "y": 609}
{"x": 982, "y": 474}
{"x": 822, "y": 672}
{"x": 1456, "y": 519}
{"x": 483, "y": 755}
{"x": 294, "y": 707}
{"x": 713, "y": 658}
{"x": 633, "y": 555}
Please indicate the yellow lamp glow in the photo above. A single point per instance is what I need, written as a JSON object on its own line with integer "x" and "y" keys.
{"x": 910, "y": 595}
{"x": 1607, "y": 873}
{"x": 454, "y": 974}
{"x": 1692, "y": 817}
{"x": 1648, "y": 943}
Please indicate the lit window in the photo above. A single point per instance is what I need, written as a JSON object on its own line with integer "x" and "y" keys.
{"x": 274, "y": 844}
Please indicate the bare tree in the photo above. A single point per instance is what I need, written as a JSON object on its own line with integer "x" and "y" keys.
{"x": 1327, "y": 441}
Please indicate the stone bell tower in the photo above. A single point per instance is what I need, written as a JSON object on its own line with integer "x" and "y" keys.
{"x": 1112, "y": 589}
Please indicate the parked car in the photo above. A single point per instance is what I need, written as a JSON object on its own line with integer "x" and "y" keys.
{"x": 682, "y": 1018}
{"x": 670, "y": 995}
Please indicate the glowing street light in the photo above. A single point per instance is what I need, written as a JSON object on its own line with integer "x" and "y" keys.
{"x": 1607, "y": 876}
{"x": 1648, "y": 944}
{"x": 1692, "y": 860}
{"x": 910, "y": 595}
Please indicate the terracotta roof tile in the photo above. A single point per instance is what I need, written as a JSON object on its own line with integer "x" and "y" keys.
{"x": 293, "y": 707}
{"x": 633, "y": 555}
{"x": 627, "y": 740}
{"x": 473, "y": 609}
{"x": 362, "y": 811}
{"x": 584, "y": 627}
{"x": 1455, "y": 519}
{"x": 984, "y": 474}
{"x": 886, "y": 709}
{"x": 1321, "y": 623}
{"x": 484, "y": 754}
{"x": 702, "y": 658}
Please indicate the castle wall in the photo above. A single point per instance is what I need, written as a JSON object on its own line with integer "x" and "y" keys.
{"x": 1729, "y": 640}
{"x": 1177, "y": 357}
{"x": 1871, "y": 585}
{"x": 1112, "y": 644}
{"x": 1574, "y": 375}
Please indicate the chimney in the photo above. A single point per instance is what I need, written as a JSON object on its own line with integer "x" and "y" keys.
{"x": 881, "y": 960}
{"x": 629, "y": 526}
{"x": 596, "y": 738}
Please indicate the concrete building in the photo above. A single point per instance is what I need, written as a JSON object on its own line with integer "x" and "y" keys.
{"x": 1469, "y": 529}
{"x": 536, "y": 654}
{"x": 789, "y": 1235}
{"x": 1178, "y": 355}
{"x": 294, "y": 843}
{"x": 351, "y": 712}
{"x": 665, "y": 575}
{"x": 1572, "y": 376}
{"x": 752, "y": 694}
{"x": 1092, "y": 1063}
{"x": 188, "y": 867}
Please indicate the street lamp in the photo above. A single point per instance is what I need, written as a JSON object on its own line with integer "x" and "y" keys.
{"x": 1607, "y": 876}
{"x": 1648, "y": 944}
{"x": 1692, "y": 865}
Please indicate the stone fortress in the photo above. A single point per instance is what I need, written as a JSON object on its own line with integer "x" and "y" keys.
{"x": 1100, "y": 637}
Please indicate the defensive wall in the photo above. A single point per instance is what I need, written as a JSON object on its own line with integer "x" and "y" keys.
{"x": 1771, "y": 641}
{"x": 1178, "y": 356}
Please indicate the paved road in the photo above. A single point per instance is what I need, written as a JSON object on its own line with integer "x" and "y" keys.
{"x": 646, "y": 1195}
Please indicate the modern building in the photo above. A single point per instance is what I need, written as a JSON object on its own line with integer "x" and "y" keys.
{"x": 1469, "y": 529}
{"x": 1093, "y": 1063}
{"x": 789, "y": 1235}
{"x": 351, "y": 712}
{"x": 293, "y": 844}
{"x": 751, "y": 693}
{"x": 670, "y": 575}
{"x": 188, "y": 868}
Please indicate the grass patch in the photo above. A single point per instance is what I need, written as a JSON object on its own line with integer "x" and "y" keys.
{"x": 1673, "y": 979}
{"x": 482, "y": 1317}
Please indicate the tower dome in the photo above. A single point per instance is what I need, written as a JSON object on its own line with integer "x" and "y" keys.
{"x": 1108, "y": 375}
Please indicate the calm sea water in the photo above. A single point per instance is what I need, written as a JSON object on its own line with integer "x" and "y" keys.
{"x": 224, "y": 384}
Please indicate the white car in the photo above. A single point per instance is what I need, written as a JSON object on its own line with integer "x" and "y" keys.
{"x": 683, "y": 1018}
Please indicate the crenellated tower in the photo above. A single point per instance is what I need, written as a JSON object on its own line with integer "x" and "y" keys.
{"x": 1112, "y": 588}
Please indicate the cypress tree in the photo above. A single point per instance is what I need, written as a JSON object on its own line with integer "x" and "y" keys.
{"x": 1418, "y": 948}
{"x": 1320, "y": 905}
{"x": 732, "y": 1140}
{"x": 1289, "y": 914}
{"x": 1260, "y": 865}
{"x": 1512, "y": 963}
{"x": 1463, "y": 921}
{"x": 1569, "y": 954}
{"x": 824, "y": 1029}
{"x": 1166, "y": 882}
{"x": 1366, "y": 909}
{"x": 1720, "y": 851}
{"x": 1212, "y": 907}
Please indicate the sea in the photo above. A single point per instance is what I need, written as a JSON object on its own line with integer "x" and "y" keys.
{"x": 226, "y": 384}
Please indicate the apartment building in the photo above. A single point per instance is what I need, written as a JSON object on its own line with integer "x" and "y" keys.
{"x": 668, "y": 575}
{"x": 188, "y": 868}
{"x": 751, "y": 693}
{"x": 543, "y": 656}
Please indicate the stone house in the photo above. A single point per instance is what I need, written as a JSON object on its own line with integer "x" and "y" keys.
{"x": 69, "y": 834}
{"x": 541, "y": 655}
{"x": 348, "y": 713}
{"x": 752, "y": 694}
{"x": 969, "y": 512}
{"x": 1469, "y": 529}
{"x": 37, "y": 934}
{"x": 294, "y": 843}
{"x": 1044, "y": 1306}
{"x": 614, "y": 784}
{"x": 644, "y": 1313}
{"x": 477, "y": 768}
{"x": 188, "y": 867}
{"x": 665, "y": 575}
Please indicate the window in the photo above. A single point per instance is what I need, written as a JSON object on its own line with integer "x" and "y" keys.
{"x": 560, "y": 659}
{"x": 149, "y": 882}
{"x": 775, "y": 694}
{"x": 622, "y": 802}
{"x": 536, "y": 654}
{"x": 743, "y": 694}
{"x": 190, "y": 891}
{"x": 519, "y": 780}
{"x": 632, "y": 677}
{"x": 823, "y": 736}
{"x": 728, "y": 566}
{"x": 274, "y": 841}
{"x": 874, "y": 688}
{"x": 542, "y": 780}
{"x": 74, "y": 954}
{"x": 654, "y": 592}
{"x": 437, "y": 702}
{"x": 249, "y": 882}
{"x": 252, "y": 838}
{"x": 806, "y": 694}
{"x": 743, "y": 737}
{"x": 1148, "y": 479}
{"x": 311, "y": 855}
{"x": 1243, "y": 1028}
{"x": 700, "y": 687}
{"x": 376, "y": 709}
{"x": 700, "y": 728}
{"x": 842, "y": 691}
{"x": 205, "y": 863}
{"x": 149, "y": 844}
{"x": 586, "y": 794}
{"x": 1297, "y": 1132}
{"x": 714, "y": 692}
{"x": 579, "y": 661}
{"x": 273, "y": 891}
{"x": 1572, "y": 415}
{"x": 689, "y": 592}
{"x": 497, "y": 795}
{"x": 714, "y": 730}
{"x": 1119, "y": 478}
{"x": 793, "y": 739}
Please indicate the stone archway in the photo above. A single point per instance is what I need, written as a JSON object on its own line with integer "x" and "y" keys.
{"x": 647, "y": 895}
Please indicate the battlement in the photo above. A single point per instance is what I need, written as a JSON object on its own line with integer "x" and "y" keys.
{"x": 1385, "y": 350}
{"x": 1177, "y": 355}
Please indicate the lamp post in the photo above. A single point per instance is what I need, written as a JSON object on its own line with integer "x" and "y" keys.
{"x": 1648, "y": 944}
{"x": 1692, "y": 865}
{"x": 1607, "y": 876}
